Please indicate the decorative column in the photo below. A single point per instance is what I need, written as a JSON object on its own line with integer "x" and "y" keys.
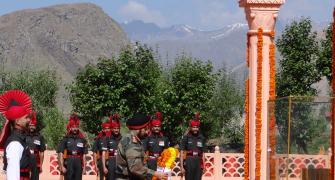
{"x": 261, "y": 16}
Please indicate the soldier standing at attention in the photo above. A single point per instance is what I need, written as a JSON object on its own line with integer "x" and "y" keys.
{"x": 15, "y": 106}
{"x": 192, "y": 148}
{"x": 155, "y": 143}
{"x": 74, "y": 146}
{"x": 110, "y": 148}
{"x": 97, "y": 148}
{"x": 36, "y": 144}
{"x": 130, "y": 158}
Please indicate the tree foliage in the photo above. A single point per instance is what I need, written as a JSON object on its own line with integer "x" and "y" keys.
{"x": 185, "y": 89}
{"x": 324, "y": 64}
{"x": 42, "y": 87}
{"x": 298, "y": 71}
{"x": 125, "y": 84}
{"x": 299, "y": 50}
{"x": 55, "y": 127}
{"x": 226, "y": 111}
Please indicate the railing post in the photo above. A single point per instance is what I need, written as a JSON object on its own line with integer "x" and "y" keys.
{"x": 217, "y": 164}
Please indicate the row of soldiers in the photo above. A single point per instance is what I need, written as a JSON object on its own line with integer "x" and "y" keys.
{"x": 131, "y": 156}
{"x": 152, "y": 142}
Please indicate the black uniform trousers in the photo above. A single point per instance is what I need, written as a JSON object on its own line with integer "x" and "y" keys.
{"x": 192, "y": 168}
{"x": 74, "y": 169}
{"x": 152, "y": 164}
{"x": 111, "y": 166}
{"x": 35, "y": 172}
{"x": 100, "y": 169}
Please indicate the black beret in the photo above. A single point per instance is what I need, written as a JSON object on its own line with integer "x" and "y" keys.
{"x": 138, "y": 121}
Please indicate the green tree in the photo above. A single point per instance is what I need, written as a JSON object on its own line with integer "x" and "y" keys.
{"x": 298, "y": 48}
{"x": 125, "y": 84}
{"x": 55, "y": 127}
{"x": 42, "y": 87}
{"x": 324, "y": 64}
{"x": 185, "y": 89}
{"x": 226, "y": 111}
{"x": 299, "y": 54}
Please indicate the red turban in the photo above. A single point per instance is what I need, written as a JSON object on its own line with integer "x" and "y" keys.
{"x": 195, "y": 121}
{"x": 14, "y": 104}
{"x": 157, "y": 121}
{"x": 106, "y": 125}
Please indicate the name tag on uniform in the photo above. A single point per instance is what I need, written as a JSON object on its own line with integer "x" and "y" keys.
{"x": 199, "y": 144}
{"x": 80, "y": 145}
{"x": 151, "y": 142}
{"x": 161, "y": 143}
{"x": 37, "y": 142}
{"x": 195, "y": 153}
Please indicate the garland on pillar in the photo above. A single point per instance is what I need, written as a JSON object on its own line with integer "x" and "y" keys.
{"x": 272, "y": 97}
{"x": 259, "y": 103}
{"x": 333, "y": 102}
{"x": 246, "y": 131}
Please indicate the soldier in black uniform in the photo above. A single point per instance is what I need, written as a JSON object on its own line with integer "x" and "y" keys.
{"x": 155, "y": 143}
{"x": 97, "y": 148}
{"x": 192, "y": 148}
{"x": 36, "y": 144}
{"x": 72, "y": 150}
{"x": 110, "y": 147}
{"x": 15, "y": 106}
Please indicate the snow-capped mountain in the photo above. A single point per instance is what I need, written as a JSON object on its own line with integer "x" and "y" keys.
{"x": 221, "y": 46}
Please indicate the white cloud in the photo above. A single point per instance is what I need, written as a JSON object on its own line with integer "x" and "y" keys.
{"x": 137, "y": 11}
{"x": 309, "y": 8}
{"x": 218, "y": 14}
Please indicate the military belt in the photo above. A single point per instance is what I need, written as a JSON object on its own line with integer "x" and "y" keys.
{"x": 193, "y": 153}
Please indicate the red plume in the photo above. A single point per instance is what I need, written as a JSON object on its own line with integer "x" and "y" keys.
{"x": 115, "y": 120}
{"x": 197, "y": 116}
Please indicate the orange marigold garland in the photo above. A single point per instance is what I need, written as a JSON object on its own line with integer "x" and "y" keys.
{"x": 246, "y": 131}
{"x": 259, "y": 103}
{"x": 333, "y": 102}
{"x": 272, "y": 96}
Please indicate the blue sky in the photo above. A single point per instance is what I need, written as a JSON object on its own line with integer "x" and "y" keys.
{"x": 202, "y": 14}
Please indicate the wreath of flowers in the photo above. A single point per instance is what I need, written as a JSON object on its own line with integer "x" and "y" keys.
{"x": 167, "y": 159}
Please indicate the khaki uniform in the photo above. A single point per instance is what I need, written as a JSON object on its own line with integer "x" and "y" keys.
{"x": 130, "y": 159}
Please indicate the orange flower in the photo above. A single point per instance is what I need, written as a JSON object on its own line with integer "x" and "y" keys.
{"x": 272, "y": 96}
{"x": 259, "y": 103}
{"x": 246, "y": 131}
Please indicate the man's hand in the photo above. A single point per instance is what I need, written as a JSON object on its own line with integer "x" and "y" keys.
{"x": 161, "y": 175}
{"x": 96, "y": 169}
{"x": 105, "y": 170}
{"x": 182, "y": 172}
{"x": 63, "y": 169}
